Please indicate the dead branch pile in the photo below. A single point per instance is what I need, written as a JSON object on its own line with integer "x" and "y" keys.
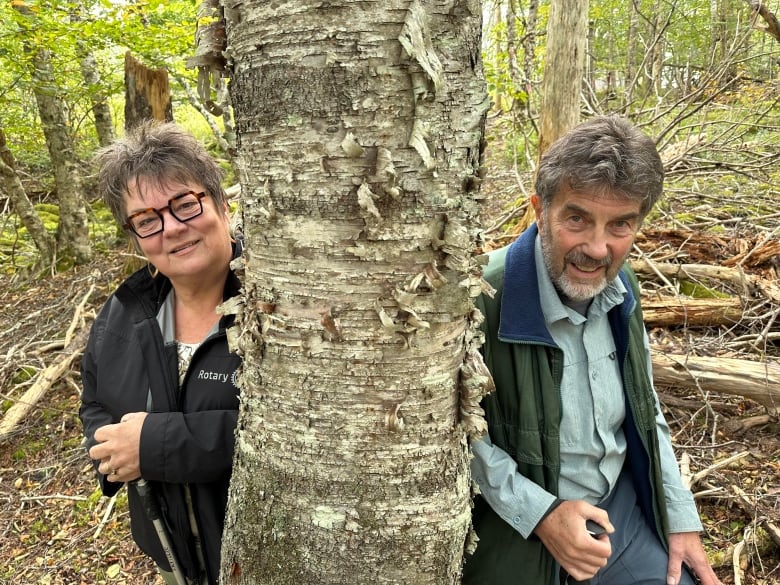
{"x": 43, "y": 331}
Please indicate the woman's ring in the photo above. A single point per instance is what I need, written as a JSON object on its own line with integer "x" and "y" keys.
{"x": 113, "y": 472}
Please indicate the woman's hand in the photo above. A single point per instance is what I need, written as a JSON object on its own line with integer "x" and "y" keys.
{"x": 118, "y": 448}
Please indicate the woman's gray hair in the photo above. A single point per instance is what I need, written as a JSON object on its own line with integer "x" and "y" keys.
{"x": 160, "y": 153}
{"x": 606, "y": 155}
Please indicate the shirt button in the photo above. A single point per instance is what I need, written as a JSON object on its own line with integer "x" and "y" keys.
{"x": 516, "y": 519}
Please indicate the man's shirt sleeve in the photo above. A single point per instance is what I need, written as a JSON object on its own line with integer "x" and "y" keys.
{"x": 518, "y": 501}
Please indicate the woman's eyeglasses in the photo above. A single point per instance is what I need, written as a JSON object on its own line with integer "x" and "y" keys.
{"x": 149, "y": 222}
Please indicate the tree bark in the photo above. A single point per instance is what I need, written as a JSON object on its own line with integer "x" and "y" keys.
{"x": 73, "y": 231}
{"x": 104, "y": 125}
{"x": 147, "y": 93}
{"x": 23, "y": 206}
{"x": 359, "y": 142}
{"x": 567, "y": 33}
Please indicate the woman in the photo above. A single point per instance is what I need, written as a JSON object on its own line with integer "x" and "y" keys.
{"x": 159, "y": 398}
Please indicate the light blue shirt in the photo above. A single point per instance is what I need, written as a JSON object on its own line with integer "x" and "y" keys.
{"x": 592, "y": 443}
{"x": 593, "y": 446}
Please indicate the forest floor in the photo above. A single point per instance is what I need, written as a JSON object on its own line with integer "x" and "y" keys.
{"x": 56, "y": 528}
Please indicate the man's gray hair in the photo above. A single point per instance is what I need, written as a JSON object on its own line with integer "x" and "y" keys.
{"x": 606, "y": 155}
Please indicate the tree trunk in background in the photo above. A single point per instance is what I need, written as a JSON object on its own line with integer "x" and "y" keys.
{"x": 531, "y": 21}
{"x": 655, "y": 81}
{"x": 731, "y": 46}
{"x": 213, "y": 97}
{"x": 518, "y": 104}
{"x": 22, "y": 205}
{"x": 564, "y": 65}
{"x": 73, "y": 243}
{"x": 633, "y": 57}
{"x": 567, "y": 33}
{"x": 147, "y": 93}
{"x": 104, "y": 125}
{"x": 359, "y": 128}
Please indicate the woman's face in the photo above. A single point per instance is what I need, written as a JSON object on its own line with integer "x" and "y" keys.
{"x": 195, "y": 251}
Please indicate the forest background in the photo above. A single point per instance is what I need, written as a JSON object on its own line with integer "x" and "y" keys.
{"x": 700, "y": 77}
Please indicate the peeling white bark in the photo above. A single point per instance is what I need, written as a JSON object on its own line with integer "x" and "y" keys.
{"x": 359, "y": 130}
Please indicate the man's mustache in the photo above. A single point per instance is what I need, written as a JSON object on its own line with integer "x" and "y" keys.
{"x": 585, "y": 261}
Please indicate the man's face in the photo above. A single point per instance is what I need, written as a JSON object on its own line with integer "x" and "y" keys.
{"x": 586, "y": 238}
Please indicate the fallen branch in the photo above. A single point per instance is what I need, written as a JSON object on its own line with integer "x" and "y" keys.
{"x": 691, "y": 479}
{"x": 749, "y": 507}
{"x": 764, "y": 251}
{"x": 667, "y": 312}
{"x": 737, "y": 559}
{"x": 694, "y": 272}
{"x": 755, "y": 380}
{"x": 774, "y": 533}
{"x": 691, "y": 271}
{"x": 54, "y": 497}
{"x": 694, "y": 404}
{"x": 47, "y": 377}
{"x": 106, "y": 516}
{"x": 771, "y": 25}
{"x": 740, "y": 426}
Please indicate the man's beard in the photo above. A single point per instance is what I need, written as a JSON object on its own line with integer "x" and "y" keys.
{"x": 575, "y": 291}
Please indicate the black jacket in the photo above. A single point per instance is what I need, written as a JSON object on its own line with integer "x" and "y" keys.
{"x": 188, "y": 435}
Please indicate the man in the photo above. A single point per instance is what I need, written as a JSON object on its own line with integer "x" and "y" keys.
{"x": 575, "y": 428}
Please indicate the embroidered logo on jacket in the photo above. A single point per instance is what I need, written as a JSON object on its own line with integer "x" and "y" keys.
{"x": 216, "y": 376}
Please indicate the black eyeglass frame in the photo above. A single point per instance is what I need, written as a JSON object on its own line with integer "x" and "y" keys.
{"x": 128, "y": 225}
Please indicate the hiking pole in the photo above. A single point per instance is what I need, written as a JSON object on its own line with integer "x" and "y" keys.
{"x": 152, "y": 508}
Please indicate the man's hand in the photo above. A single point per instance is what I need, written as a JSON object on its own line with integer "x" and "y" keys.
{"x": 686, "y": 547}
{"x": 564, "y": 535}
{"x": 118, "y": 448}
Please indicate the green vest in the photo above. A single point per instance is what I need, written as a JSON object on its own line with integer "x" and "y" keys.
{"x": 524, "y": 414}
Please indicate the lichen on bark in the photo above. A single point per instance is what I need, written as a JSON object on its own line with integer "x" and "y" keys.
{"x": 357, "y": 313}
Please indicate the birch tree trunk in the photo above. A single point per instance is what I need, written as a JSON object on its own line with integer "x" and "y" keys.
{"x": 104, "y": 125}
{"x": 564, "y": 64}
{"x": 24, "y": 208}
{"x": 101, "y": 112}
{"x": 73, "y": 231}
{"x": 359, "y": 141}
